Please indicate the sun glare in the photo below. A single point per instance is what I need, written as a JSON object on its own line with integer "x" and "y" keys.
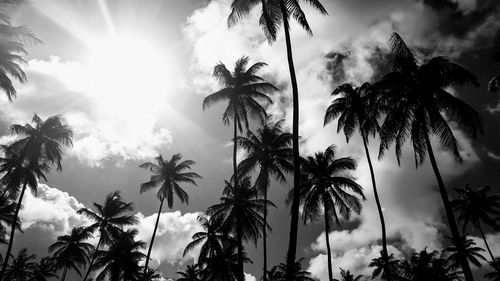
{"x": 128, "y": 74}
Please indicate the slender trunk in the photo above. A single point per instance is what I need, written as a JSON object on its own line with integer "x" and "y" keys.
{"x": 294, "y": 224}
{"x": 12, "y": 231}
{"x": 94, "y": 256}
{"x": 327, "y": 237}
{"x": 486, "y": 243}
{"x": 264, "y": 237}
{"x": 63, "y": 276}
{"x": 239, "y": 238}
{"x": 235, "y": 149}
{"x": 455, "y": 234}
{"x": 152, "y": 240}
{"x": 385, "y": 253}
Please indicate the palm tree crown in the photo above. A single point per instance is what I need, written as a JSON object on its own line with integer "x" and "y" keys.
{"x": 22, "y": 267}
{"x": 192, "y": 273}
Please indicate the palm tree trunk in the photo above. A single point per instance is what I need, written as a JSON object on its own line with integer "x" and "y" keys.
{"x": 12, "y": 231}
{"x": 294, "y": 224}
{"x": 455, "y": 234}
{"x": 152, "y": 240}
{"x": 385, "y": 253}
{"x": 264, "y": 237}
{"x": 235, "y": 150}
{"x": 94, "y": 256}
{"x": 486, "y": 243}
{"x": 63, "y": 276}
{"x": 239, "y": 238}
{"x": 328, "y": 251}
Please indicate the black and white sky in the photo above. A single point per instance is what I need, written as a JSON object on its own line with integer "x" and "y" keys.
{"x": 130, "y": 76}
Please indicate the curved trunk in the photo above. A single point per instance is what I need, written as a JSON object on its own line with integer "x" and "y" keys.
{"x": 455, "y": 234}
{"x": 94, "y": 256}
{"x": 239, "y": 238}
{"x": 327, "y": 238}
{"x": 294, "y": 224}
{"x": 264, "y": 238}
{"x": 385, "y": 253}
{"x": 486, "y": 243}
{"x": 152, "y": 240}
{"x": 12, "y": 232}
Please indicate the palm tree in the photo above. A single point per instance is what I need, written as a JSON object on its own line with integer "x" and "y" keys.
{"x": 241, "y": 89}
{"x": 428, "y": 266}
{"x": 44, "y": 270}
{"x": 212, "y": 238}
{"x": 121, "y": 260}
{"x": 22, "y": 267}
{"x": 240, "y": 212}
{"x": 274, "y": 14}
{"x": 71, "y": 251}
{"x": 471, "y": 250}
{"x": 152, "y": 274}
{"x": 109, "y": 219}
{"x": 191, "y": 273}
{"x": 325, "y": 187}
{"x": 12, "y": 49}
{"x": 298, "y": 274}
{"x": 268, "y": 151}
{"x": 223, "y": 266}
{"x": 416, "y": 98}
{"x": 167, "y": 174}
{"x": 380, "y": 266}
{"x": 347, "y": 276}
{"x": 477, "y": 207}
{"x": 355, "y": 110}
{"x": 274, "y": 275}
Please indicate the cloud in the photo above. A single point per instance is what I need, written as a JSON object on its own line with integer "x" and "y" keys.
{"x": 250, "y": 277}
{"x": 173, "y": 234}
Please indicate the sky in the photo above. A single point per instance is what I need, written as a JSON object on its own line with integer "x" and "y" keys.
{"x": 130, "y": 77}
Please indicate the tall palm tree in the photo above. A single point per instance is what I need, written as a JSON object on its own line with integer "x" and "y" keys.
{"x": 428, "y": 266}
{"x": 109, "y": 219}
{"x": 346, "y": 275}
{"x": 22, "y": 266}
{"x": 274, "y": 14}
{"x": 223, "y": 266}
{"x": 71, "y": 251}
{"x": 191, "y": 273}
{"x": 270, "y": 153}
{"x": 240, "y": 212}
{"x": 121, "y": 260}
{"x": 472, "y": 251}
{"x": 298, "y": 273}
{"x": 477, "y": 207}
{"x": 167, "y": 174}
{"x": 355, "y": 110}
{"x": 328, "y": 192}
{"x": 380, "y": 266}
{"x": 211, "y": 239}
{"x": 416, "y": 98}
{"x": 44, "y": 270}
{"x": 241, "y": 89}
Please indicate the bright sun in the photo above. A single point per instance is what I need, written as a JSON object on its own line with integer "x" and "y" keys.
{"x": 128, "y": 74}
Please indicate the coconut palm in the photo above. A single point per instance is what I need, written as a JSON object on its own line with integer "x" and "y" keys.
{"x": 225, "y": 265}
{"x": 477, "y": 207}
{"x": 274, "y": 14}
{"x": 167, "y": 174}
{"x": 121, "y": 260}
{"x": 380, "y": 266}
{"x": 240, "y": 212}
{"x": 109, "y": 219}
{"x": 241, "y": 89}
{"x": 211, "y": 239}
{"x": 71, "y": 251}
{"x": 22, "y": 266}
{"x": 356, "y": 111}
{"x": 44, "y": 270}
{"x": 416, "y": 99}
{"x": 270, "y": 153}
{"x": 298, "y": 274}
{"x": 428, "y": 266}
{"x": 152, "y": 274}
{"x": 191, "y": 273}
{"x": 348, "y": 276}
{"x": 274, "y": 275}
{"x": 471, "y": 250}
{"x": 328, "y": 192}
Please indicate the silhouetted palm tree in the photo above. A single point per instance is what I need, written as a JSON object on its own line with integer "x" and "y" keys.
{"x": 22, "y": 266}
{"x": 152, "y": 274}
{"x": 356, "y": 111}
{"x": 121, "y": 260}
{"x": 241, "y": 89}
{"x": 380, "y": 266}
{"x": 270, "y": 153}
{"x": 428, "y": 266}
{"x": 240, "y": 212}
{"x": 348, "y": 276}
{"x": 416, "y": 97}
{"x": 328, "y": 192}
{"x": 44, "y": 270}
{"x": 274, "y": 275}
{"x": 168, "y": 174}
{"x": 471, "y": 250}
{"x": 191, "y": 273}
{"x": 212, "y": 238}
{"x": 109, "y": 219}
{"x": 71, "y": 251}
{"x": 477, "y": 207}
{"x": 298, "y": 274}
{"x": 223, "y": 266}
{"x": 274, "y": 14}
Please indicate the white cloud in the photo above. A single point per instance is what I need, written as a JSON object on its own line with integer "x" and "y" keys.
{"x": 250, "y": 277}
{"x": 493, "y": 155}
